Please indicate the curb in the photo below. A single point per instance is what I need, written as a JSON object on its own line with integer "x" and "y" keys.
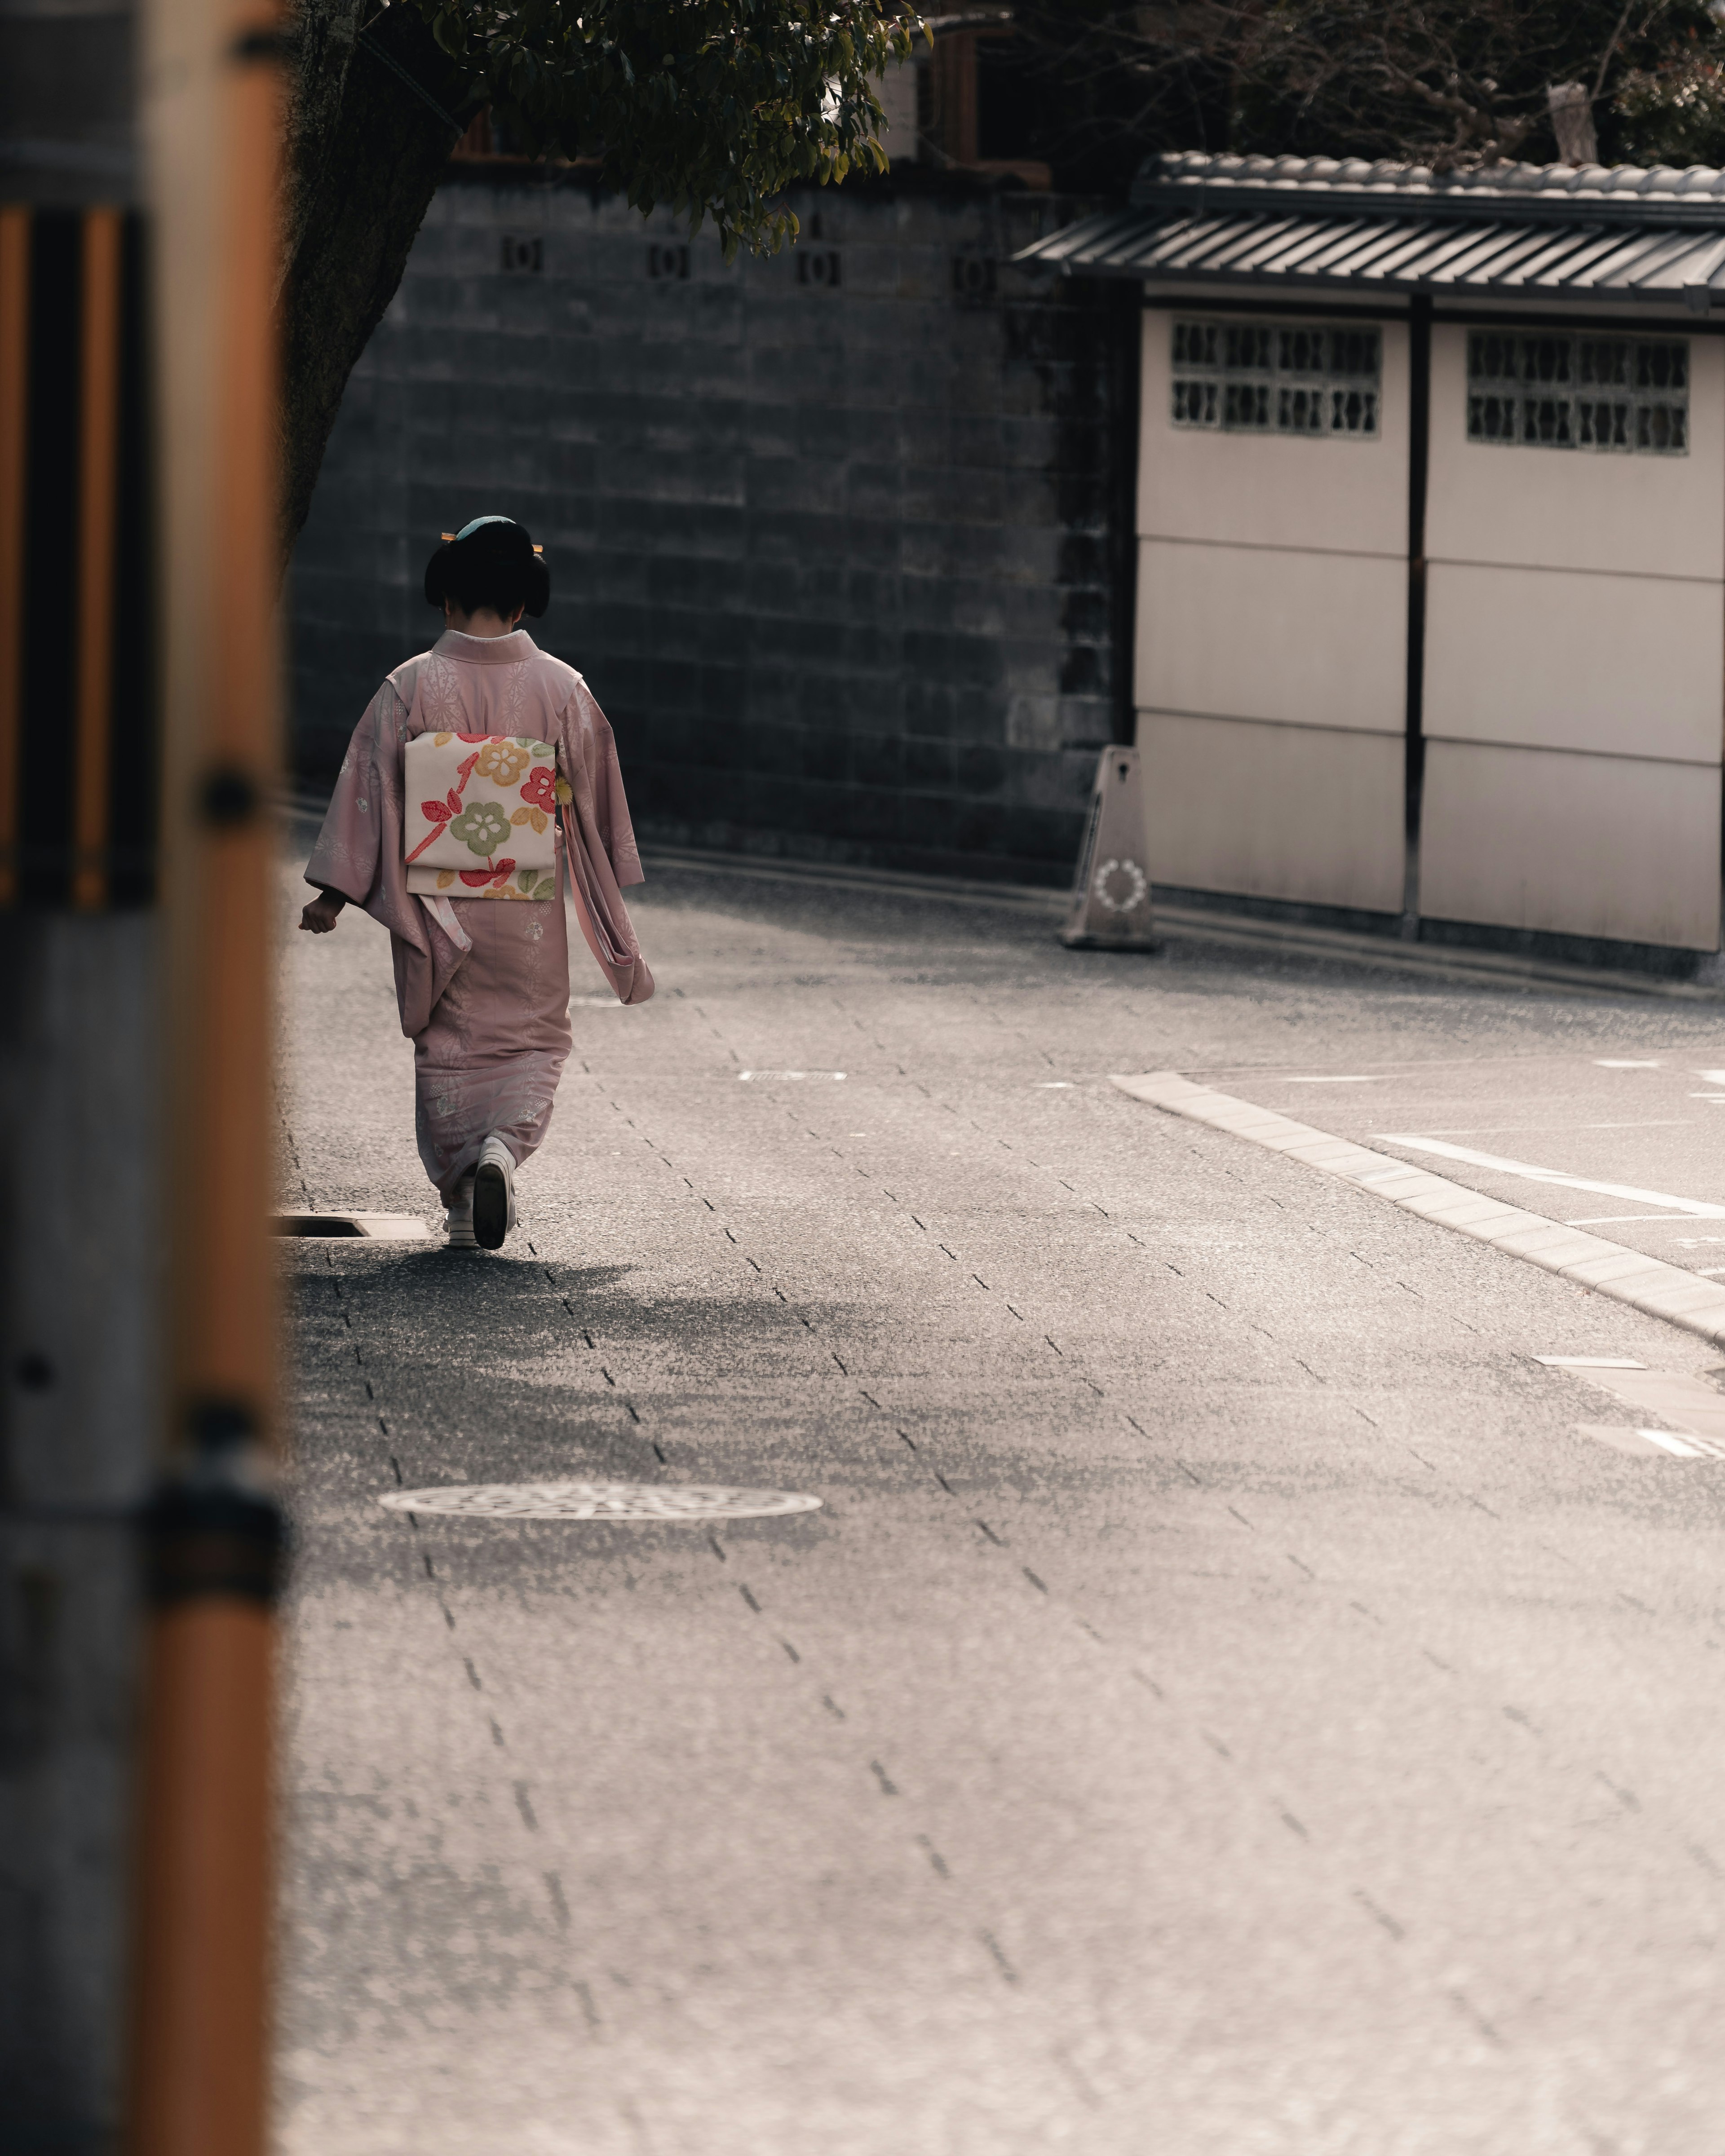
{"x": 1192, "y": 924}
{"x": 1646, "y": 1284}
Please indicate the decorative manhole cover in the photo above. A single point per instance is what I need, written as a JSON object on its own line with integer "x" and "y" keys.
{"x": 598, "y": 1501}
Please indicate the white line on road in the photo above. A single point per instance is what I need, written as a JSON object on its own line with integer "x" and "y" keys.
{"x": 1590, "y": 1362}
{"x": 1712, "y": 1077}
{"x": 1693, "y": 1206}
{"x": 1623, "y": 1219}
{"x": 1622, "y": 1063}
{"x": 1549, "y": 1129}
{"x": 1679, "y": 1446}
{"x": 1645, "y": 1444}
{"x": 1664, "y": 1291}
{"x": 1696, "y": 1407}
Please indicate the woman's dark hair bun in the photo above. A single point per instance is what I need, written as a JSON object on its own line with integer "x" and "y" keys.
{"x": 489, "y": 562}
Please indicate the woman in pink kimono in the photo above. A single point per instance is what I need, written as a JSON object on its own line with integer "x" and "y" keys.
{"x": 483, "y": 981}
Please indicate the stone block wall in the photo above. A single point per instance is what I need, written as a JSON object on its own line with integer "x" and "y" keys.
{"x": 833, "y": 534}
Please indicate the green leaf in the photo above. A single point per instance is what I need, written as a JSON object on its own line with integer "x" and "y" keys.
{"x": 713, "y": 107}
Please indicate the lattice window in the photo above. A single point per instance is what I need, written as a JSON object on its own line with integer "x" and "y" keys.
{"x": 1274, "y": 378}
{"x": 1555, "y": 392}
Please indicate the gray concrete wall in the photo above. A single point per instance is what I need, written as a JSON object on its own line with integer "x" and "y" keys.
{"x": 832, "y": 534}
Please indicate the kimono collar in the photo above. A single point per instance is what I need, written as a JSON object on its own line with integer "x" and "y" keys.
{"x": 508, "y": 650}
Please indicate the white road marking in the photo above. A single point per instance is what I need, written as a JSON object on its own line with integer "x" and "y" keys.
{"x": 1641, "y": 1444}
{"x": 1712, "y": 1077}
{"x": 1590, "y": 1362}
{"x": 1054, "y": 1086}
{"x": 747, "y": 1074}
{"x": 1695, "y": 1207}
{"x": 1634, "y": 1443}
{"x": 1690, "y": 1403}
{"x": 1551, "y": 1129}
{"x": 1707, "y": 1096}
{"x": 1622, "y": 1063}
{"x": 1679, "y": 1446}
{"x": 1622, "y": 1219}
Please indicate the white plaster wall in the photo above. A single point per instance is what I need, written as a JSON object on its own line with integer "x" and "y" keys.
{"x": 1545, "y": 658}
{"x": 897, "y": 94}
{"x": 1300, "y": 813}
{"x": 1588, "y": 845}
{"x": 1576, "y": 675}
{"x": 1272, "y": 489}
{"x": 1274, "y": 634}
{"x": 1273, "y": 590}
{"x": 1570, "y": 509}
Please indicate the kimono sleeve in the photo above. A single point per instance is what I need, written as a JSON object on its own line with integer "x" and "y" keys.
{"x": 347, "y": 857}
{"x": 610, "y": 804}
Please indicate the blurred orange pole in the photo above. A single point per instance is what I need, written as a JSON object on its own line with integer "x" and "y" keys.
{"x": 199, "y": 2081}
{"x": 14, "y": 391}
{"x": 97, "y": 489}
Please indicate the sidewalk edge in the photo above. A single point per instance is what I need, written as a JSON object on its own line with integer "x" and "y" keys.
{"x": 1648, "y": 1284}
{"x": 1193, "y": 924}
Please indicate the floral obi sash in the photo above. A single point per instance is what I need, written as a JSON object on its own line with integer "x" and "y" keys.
{"x": 480, "y": 816}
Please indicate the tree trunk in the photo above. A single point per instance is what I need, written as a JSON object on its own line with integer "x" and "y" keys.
{"x": 1572, "y": 120}
{"x": 367, "y": 149}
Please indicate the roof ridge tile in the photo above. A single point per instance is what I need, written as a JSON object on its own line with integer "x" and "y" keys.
{"x": 1227, "y": 172}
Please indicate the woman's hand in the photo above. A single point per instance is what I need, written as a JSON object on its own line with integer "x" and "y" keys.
{"x": 323, "y": 913}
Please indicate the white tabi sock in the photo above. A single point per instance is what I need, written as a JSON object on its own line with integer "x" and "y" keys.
{"x": 457, "y": 1217}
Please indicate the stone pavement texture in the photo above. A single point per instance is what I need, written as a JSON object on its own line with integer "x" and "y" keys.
{"x": 1222, "y": 1706}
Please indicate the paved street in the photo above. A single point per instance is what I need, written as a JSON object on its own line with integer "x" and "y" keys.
{"x": 1226, "y": 1701}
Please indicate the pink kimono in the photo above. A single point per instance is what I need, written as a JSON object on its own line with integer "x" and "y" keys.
{"x": 483, "y": 983}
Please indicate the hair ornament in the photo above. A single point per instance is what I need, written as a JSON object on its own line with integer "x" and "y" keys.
{"x": 449, "y": 538}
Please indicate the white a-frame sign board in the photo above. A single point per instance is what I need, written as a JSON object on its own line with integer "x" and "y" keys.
{"x": 1111, "y": 894}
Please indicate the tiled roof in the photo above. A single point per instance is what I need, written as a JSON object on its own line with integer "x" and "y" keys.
{"x": 1614, "y": 189}
{"x": 1545, "y": 231}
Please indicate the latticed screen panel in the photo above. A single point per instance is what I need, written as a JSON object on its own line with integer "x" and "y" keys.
{"x": 1277, "y": 378}
{"x": 1627, "y": 394}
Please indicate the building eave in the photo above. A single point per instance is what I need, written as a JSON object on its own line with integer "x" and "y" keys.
{"x": 1576, "y": 261}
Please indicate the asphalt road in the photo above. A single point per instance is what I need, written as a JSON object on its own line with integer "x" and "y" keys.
{"x": 1224, "y": 1703}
